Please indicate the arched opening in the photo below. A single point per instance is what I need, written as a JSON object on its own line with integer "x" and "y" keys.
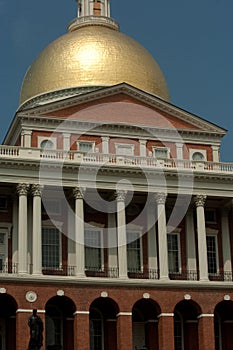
{"x": 145, "y": 324}
{"x": 223, "y": 325}
{"x": 47, "y": 145}
{"x": 8, "y": 309}
{"x": 59, "y": 323}
{"x": 186, "y": 325}
{"x": 103, "y": 325}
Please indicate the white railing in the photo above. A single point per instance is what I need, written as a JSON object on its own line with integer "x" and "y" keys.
{"x": 14, "y": 152}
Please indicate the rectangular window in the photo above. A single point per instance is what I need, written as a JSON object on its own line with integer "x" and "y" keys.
{"x": 3, "y": 203}
{"x": 133, "y": 251}
{"x": 124, "y": 149}
{"x": 173, "y": 253}
{"x": 211, "y": 242}
{"x": 51, "y": 248}
{"x": 86, "y": 146}
{"x": 93, "y": 249}
{"x": 161, "y": 152}
{"x": 210, "y": 216}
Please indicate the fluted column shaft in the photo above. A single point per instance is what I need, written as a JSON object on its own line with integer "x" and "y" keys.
{"x": 36, "y": 231}
{"x": 151, "y": 234}
{"x": 79, "y": 231}
{"x": 162, "y": 235}
{"x": 121, "y": 235}
{"x": 22, "y": 190}
{"x": 201, "y": 237}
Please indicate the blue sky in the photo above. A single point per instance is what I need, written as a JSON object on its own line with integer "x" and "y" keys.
{"x": 191, "y": 41}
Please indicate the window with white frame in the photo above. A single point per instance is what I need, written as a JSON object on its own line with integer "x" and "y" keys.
{"x": 161, "y": 152}
{"x": 124, "y": 149}
{"x": 93, "y": 249}
{"x": 86, "y": 146}
{"x": 173, "y": 243}
{"x": 134, "y": 253}
{"x": 212, "y": 253}
{"x": 4, "y": 232}
{"x": 197, "y": 154}
{"x": 47, "y": 143}
{"x": 51, "y": 248}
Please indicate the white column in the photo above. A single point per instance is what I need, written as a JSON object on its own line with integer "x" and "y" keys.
{"x": 26, "y": 136}
{"x": 142, "y": 148}
{"x": 226, "y": 245}
{"x": 201, "y": 237}
{"x": 36, "y": 231}
{"x": 79, "y": 231}
{"x": 105, "y": 144}
{"x": 121, "y": 234}
{"x": 190, "y": 242}
{"x": 66, "y": 141}
{"x": 112, "y": 242}
{"x": 22, "y": 190}
{"x": 15, "y": 249}
{"x": 151, "y": 240}
{"x": 215, "y": 153}
{"x": 179, "y": 150}
{"x": 162, "y": 235}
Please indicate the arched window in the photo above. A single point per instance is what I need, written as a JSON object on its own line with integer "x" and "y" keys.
{"x": 198, "y": 156}
{"x": 47, "y": 144}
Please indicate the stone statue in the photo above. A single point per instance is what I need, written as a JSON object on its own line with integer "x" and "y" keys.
{"x": 36, "y": 331}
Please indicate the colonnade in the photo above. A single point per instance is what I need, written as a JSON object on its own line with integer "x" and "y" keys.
{"x": 153, "y": 261}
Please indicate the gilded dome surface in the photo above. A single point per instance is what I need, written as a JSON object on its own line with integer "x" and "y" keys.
{"x": 93, "y": 56}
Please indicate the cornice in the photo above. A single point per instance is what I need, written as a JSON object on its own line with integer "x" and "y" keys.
{"x": 66, "y": 281}
{"x": 122, "y": 130}
{"x": 144, "y": 97}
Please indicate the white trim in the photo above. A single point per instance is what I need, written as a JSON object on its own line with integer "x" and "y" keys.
{"x": 164, "y": 314}
{"x": 205, "y": 315}
{"x": 138, "y": 231}
{"x": 124, "y": 314}
{"x": 161, "y": 148}
{"x": 100, "y": 232}
{"x": 192, "y": 151}
{"x": 129, "y": 146}
{"x": 41, "y": 139}
{"x": 81, "y": 313}
{"x": 215, "y": 235}
{"x": 92, "y": 143}
{"x": 30, "y": 311}
{"x": 176, "y": 233}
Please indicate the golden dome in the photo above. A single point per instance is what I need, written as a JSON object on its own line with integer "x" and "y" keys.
{"x": 93, "y": 56}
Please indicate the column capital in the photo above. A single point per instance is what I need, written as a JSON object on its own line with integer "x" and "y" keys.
{"x": 105, "y": 138}
{"x": 121, "y": 195}
{"x": 142, "y": 141}
{"x": 36, "y": 190}
{"x": 200, "y": 200}
{"x": 160, "y": 198}
{"x": 79, "y": 192}
{"x": 22, "y": 189}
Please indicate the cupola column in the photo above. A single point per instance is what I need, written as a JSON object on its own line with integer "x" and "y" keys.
{"x": 93, "y": 8}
